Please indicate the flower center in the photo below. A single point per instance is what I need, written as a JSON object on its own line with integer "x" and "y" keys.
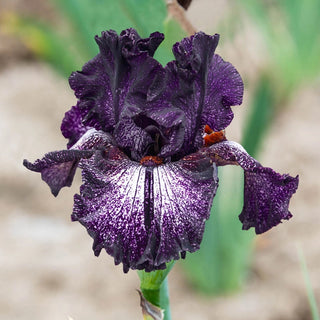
{"x": 210, "y": 137}
{"x": 151, "y": 161}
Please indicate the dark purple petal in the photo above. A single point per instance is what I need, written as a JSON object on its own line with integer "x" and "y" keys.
{"x": 172, "y": 123}
{"x": 133, "y": 44}
{"x": 72, "y": 126}
{"x": 230, "y": 152}
{"x": 132, "y": 138}
{"x": 58, "y": 167}
{"x": 204, "y": 86}
{"x": 266, "y": 198}
{"x": 266, "y": 193}
{"x": 156, "y": 130}
{"x": 145, "y": 216}
{"x": 121, "y": 73}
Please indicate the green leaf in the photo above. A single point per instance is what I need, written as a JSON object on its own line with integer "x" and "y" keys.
{"x": 259, "y": 119}
{"x": 291, "y": 30}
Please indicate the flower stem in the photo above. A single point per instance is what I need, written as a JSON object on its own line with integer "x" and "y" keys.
{"x": 165, "y": 299}
{"x": 154, "y": 287}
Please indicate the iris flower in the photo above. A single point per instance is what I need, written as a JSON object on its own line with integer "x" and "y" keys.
{"x": 149, "y": 140}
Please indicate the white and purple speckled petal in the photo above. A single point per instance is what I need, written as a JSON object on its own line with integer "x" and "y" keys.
{"x": 111, "y": 207}
{"x": 266, "y": 193}
{"x": 144, "y": 216}
{"x": 183, "y": 195}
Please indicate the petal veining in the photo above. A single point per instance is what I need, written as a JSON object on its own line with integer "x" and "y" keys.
{"x": 145, "y": 216}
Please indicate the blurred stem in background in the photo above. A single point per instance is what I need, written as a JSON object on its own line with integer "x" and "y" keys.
{"x": 311, "y": 298}
{"x": 290, "y": 29}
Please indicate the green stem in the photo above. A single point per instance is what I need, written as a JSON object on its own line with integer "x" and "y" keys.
{"x": 165, "y": 299}
{"x": 154, "y": 287}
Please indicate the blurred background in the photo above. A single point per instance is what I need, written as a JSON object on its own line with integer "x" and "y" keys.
{"x": 47, "y": 268}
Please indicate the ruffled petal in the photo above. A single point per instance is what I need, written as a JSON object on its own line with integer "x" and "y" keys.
{"x": 132, "y": 138}
{"x": 183, "y": 195}
{"x": 72, "y": 126}
{"x": 58, "y": 167}
{"x": 144, "y": 216}
{"x": 172, "y": 123}
{"x": 266, "y": 198}
{"x": 266, "y": 193}
{"x": 157, "y": 129}
{"x": 204, "y": 86}
{"x": 121, "y": 73}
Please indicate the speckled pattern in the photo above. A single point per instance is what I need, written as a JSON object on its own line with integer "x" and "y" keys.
{"x": 126, "y": 92}
{"x": 230, "y": 152}
{"x": 129, "y": 107}
{"x": 144, "y": 216}
{"x": 266, "y": 193}
{"x": 266, "y": 198}
{"x": 58, "y": 167}
{"x": 207, "y": 86}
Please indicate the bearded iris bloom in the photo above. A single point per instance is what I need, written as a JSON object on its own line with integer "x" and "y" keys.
{"x": 149, "y": 140}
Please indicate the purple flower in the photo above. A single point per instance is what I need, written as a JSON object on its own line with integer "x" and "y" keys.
{"x": 149, "y": 140}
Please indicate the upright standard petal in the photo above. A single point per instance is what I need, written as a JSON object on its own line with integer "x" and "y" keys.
{"x": 204, "y": 86}
{"x": 121, "y": 72}
{"x": 156, "y": 130}
{"x": 144, "y": 216}
{"x": 266, "y": 193}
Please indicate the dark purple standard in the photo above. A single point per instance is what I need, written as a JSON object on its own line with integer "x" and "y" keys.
{"x": 137, "y": 132}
